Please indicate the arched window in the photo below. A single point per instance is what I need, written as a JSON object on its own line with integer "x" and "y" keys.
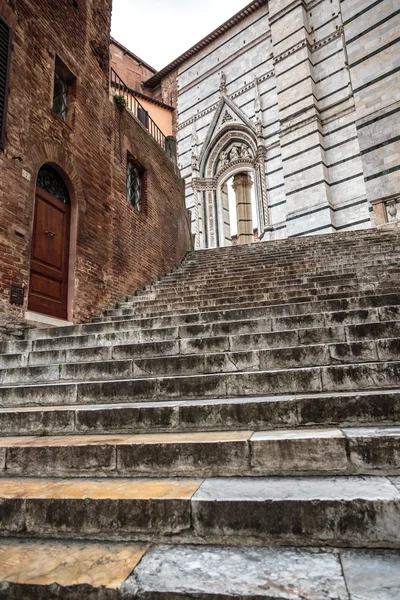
{"x": 51, "y": 182}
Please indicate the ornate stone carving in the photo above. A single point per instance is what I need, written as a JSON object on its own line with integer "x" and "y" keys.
{"x": 245, "y": 153}
{"x": 257, "y": 98}
{"x": 224, "y": 160}
{"x": 234, "y": 155}
{"x": 222, "y": 85}
{"x": 392, "y": 208}
{"x": 227, "y": 117}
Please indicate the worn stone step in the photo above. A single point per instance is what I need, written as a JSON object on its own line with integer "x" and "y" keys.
{"x": 38, "y": 569}
{"x": 333, "y": 303}
{"x": 105, "y": 338}
{"x": 350, "y": 511}
{"x": 213, "y": 573}
{"x": 380, "y": 301}
{"x": 263, "y": 413}
{"x": 120, "y": 363}
{"x": 334, "y": 378}
{"x": 46, "y": 569}
{"x": 283, "y": 452}
{"x": 207, "y": 355}
{"x": 164, "y": 306}
{"x": 251, "y": 289}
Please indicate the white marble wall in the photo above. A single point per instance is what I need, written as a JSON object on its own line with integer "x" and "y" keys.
{"x": 323, "y": 164}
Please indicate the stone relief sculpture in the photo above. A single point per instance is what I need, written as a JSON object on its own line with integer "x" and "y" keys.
{"x": 234, "y": 153}
{"x": 245, "y": 153}
{"x": 227, "y": 117}
{"x": 224, "y": 160}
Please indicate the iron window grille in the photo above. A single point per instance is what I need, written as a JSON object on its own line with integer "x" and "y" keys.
{"x": 60, "y": 97}
{"x": 51, "y": 182}
{"x": 5, "y": 59}
{"x": 135, "y": 184}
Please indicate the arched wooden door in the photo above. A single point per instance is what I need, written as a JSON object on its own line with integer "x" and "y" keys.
{"x": 48, "y": 286}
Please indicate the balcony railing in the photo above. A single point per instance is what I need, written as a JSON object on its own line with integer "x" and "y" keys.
{"x": 134, "y": 106}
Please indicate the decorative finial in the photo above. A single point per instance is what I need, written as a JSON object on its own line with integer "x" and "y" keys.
{"x": 222, "y": 85}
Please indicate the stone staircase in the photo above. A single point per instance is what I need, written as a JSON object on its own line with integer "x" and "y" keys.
{"x": 233, "y": 431}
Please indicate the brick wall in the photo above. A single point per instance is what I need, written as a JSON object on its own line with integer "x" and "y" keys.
{"x": 117, "y": 250}
{"x": 129, "y": 67}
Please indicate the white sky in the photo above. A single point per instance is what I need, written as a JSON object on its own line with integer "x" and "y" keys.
{"x": 159, "y": 31}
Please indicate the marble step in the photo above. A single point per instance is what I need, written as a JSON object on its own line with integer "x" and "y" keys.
{"x": 283, "y": 452}
{"x": 334, "y": 378}
{"x": 382, "y": 302}
{"x": 123, "y": 362}
{"x": 38, "y": 569}
{"x": 346, "y": 409}
{"x": 356, "y": 511}
{"x": 147, "y": 311}
{"x": 291, "y": 330}
{"x": 252, "y": 290}
{"x": 161, "y": 306}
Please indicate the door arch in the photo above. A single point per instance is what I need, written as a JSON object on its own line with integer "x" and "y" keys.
{"x": 49, "y": 265}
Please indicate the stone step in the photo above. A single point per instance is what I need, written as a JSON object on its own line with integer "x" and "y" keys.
{"x": 38, "y": 569}
{"x": 345, "y": 409}
{"x": 119, "y": 362}
{"x": 356, "y": 511}
{"x": 381, "y": 302}
{"x": 213, "y": 573}
{"x": 334, "y": 378}
{"x": 146, "y": 311}
{"x": 251, "y": 289}
{"x": 253, "y": 283}
{"x": 243, "y": 300}
{"x": 283, "y": 452}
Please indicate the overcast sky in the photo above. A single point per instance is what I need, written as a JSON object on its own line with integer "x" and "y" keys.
{"x": 158, "y": 31}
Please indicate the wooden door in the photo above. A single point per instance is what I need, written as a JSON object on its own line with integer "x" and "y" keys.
{"x": 48, "y": 288}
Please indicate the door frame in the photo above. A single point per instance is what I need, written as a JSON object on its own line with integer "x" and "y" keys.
{"x": 49, "y": 199}
{"x": 73, "y": 235}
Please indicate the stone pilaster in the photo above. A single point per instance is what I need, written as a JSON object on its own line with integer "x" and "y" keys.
{"x": 304, "y": 162}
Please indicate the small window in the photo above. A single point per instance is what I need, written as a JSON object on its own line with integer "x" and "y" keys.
{"x": 5, "y": 56}
{"x": 143, "y": 116}
{"x": 135, "y": 184}
{"x": 62, "y": 93}
{"x": 60, "y": 97}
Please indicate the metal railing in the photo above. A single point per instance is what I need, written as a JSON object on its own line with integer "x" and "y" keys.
{"x": 134, "y": 106}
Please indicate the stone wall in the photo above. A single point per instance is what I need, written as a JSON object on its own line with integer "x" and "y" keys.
{"x": 117, "y": 249}
{"x": 322, "y": 79}
{"x": 372, "y": 40}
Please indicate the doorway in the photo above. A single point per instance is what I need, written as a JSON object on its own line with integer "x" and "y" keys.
{"x": 48, "y": 282}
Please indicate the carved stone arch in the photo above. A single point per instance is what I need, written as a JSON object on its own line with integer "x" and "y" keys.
{"x": 65, "y": 163}
{"x": 210, "y": 157}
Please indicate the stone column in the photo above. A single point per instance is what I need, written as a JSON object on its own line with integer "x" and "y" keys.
{"x": 242, "y": 184}
{"x": 227, "y": 237}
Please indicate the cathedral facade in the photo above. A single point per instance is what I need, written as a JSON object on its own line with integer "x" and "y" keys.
{"x": 290, "y": 109}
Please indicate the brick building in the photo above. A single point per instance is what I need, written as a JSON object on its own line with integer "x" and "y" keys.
{"x": 91, "y": 206}
{"x": 299, "y": 100}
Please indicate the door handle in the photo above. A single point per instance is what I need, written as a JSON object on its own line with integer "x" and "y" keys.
{"x": 51, "y": 234}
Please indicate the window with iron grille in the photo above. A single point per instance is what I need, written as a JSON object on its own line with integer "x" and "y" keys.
{"x": 60, "y": 97}
{"x": 135, "y": 184}
{"x": 5, "y": 56}
{"x": 63, "y": 91}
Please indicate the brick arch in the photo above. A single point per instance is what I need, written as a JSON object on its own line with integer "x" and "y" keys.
{"x": 63, "y": 162}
